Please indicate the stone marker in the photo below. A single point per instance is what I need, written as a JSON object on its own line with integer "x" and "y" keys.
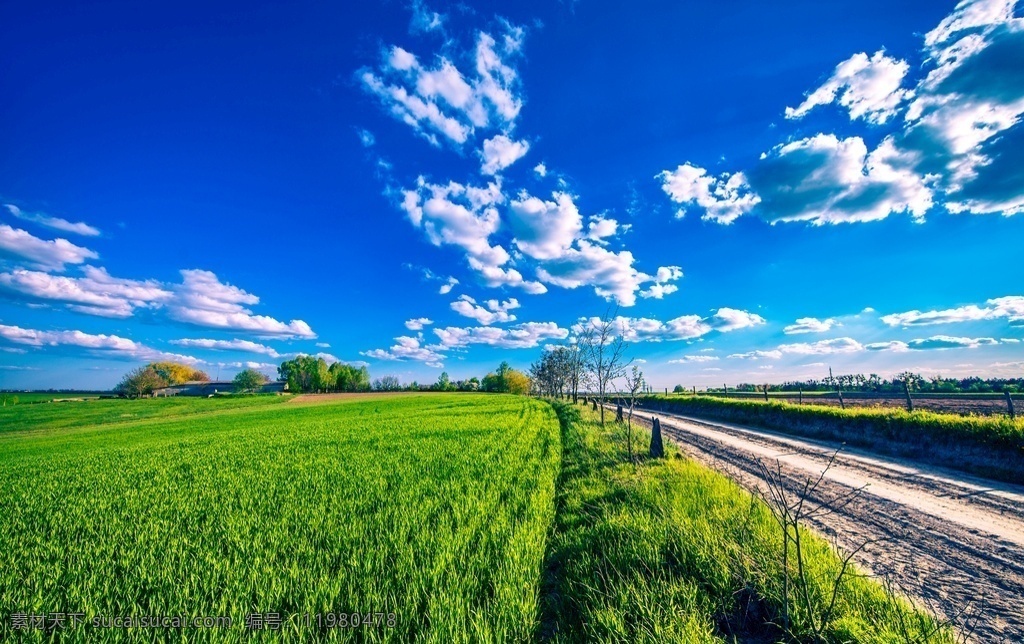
{"x": 657, "y": 448}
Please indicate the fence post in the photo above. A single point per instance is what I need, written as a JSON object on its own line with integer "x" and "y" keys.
{"x": 910, "y": 401}
{"x": 801, "y": 399}
{"x": 657, "y": 447}
{"x": 725, "y": 389}
{"x": 618, "y": 413}
{"x": 1009, "y": 405}
{"x": 766, "y": 393}
{"x": 594, "y": 401}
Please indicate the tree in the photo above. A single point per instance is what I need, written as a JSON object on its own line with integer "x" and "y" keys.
{"x": 678, "y": 389}
{"x": 634, "y": 385}
{"x": 175, "y": 373}
{"x": 444, "y": 383}
{"x": 249, "y": 380}
{"x": 506, "y": 380}
{"x": 605, "y": 353}
{"x": 140, "y": 382}
{"x": 387, "y": 383}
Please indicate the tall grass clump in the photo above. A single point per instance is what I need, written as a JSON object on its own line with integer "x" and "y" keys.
{"x": 669, "y": 550}
{"x": 432, "y": 508}
{"x": 988, "y": 445}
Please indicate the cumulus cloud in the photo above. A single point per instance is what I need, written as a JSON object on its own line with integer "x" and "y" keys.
{"x": 245, "y": 346}
{"x": 809, "y": 325}
{"x": 95, "y": 293}
{"x": 499, "y": 152}
{"x": 43, "y": 254}
{"x": 98, "y": 344}
{"x": 545, "y": 229}
{"x": 490, "y": 313}
{"x": 684, "y": 327}
{"x": 408, "y": 348}
{"x": 521, "y": 336}
{"x": 203, "y": 300}
{"x": 417, "y": 324}
{"x": 440, "y": 99}
{"x": 960, "y": 142}
{"x": 1010, "y": 308}
{"x": 770, "y": 354}
{"x": 56, "y": 223}
{"x": 600, "y": 227}
{"x": 723, "y": 198}
{"x": 541, "y": 170}
{"x": 868, "y": 87}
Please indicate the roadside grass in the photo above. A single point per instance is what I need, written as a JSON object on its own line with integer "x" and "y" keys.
{"x": 434, "y": 508}
{"x": 669, "y": 550}
{"x": 988, "y": 445}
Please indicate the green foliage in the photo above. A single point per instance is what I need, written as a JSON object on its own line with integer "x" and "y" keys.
{"x": 433, "y": 507}
{"x": 670, "y": 551}
{"x": 865, "y": 425}
{"x": 249, "y": 380}
{"x": 678, "y": 389}
{"x": 306, "y": 374}
{"x": 176, "y": 373}
{"x": 140, "y": 382}
{"x": 506, "y": 381}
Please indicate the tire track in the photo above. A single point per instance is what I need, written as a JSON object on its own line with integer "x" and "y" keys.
{"x": 953, "y": 542}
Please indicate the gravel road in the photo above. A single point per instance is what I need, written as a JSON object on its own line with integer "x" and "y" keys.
{"x": 953, "y": 542}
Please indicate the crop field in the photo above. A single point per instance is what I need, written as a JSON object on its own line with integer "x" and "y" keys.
{"x": 27, "y": 397}
{"x": 427, "y": 513}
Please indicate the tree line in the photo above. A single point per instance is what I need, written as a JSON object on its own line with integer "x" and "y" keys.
{"x": 874, "y": 383}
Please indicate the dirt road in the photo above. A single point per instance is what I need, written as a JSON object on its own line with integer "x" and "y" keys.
{"x": 952, "y": 541}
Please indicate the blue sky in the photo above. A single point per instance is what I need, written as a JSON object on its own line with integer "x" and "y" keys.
{"x": 763, "y": 192}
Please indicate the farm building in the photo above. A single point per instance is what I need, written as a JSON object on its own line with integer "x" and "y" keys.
{"x": 213, "y": 387}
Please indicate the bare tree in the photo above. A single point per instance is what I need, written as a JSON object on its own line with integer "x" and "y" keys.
{"x": 634, "y": 385}
{"x": 577, "y": 362}
{"x": 605, "y": 353}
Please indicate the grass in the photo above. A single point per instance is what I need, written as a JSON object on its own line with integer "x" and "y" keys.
{"x": 8, "y": 398}
{"x": 988, "y": 445}
{"x": 669, "y": 550}
{"x": 435, "y": 508}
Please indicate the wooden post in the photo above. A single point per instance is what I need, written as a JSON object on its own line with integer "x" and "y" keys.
{"x": 842, "y": 405}
{"x": 1009, "y": 405}
{"x": 657, "y": 447}
{"x": 618, "y": 413}
{"x": 910, "y": 401}
{"x": 594, "y": 401}
{"x": 725, "y": 388}
{"x": 766, "y": 393}
{"x": 801, "y": 398}
{"x": 695, "y": 390}
{"x": 666, "y": 391}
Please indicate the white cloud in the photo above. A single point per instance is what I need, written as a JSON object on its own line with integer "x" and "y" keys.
{"x": 424, "y": 20}
{"x": 541, "y": 170}
{"x": 499, "y": 152}
{"x": 822, "y": 347}
{"x": 492, "y": 312}
{"x": 723, "y": 198}
{"x": 545, "y": 229}
{"x": 228, "y": 345}
{"x": 101, "y": 345}
{"x": 366, "y": 138}
{"x": 97, "y": 293}
{"x": 56, "y": 223}
{"x": 408, "y": 348}
{"x": 809, "y": 325}
{"x": 47, "y": 255}
{"x": 868, "y": 87}
{"x": 442, "y": 100}
{"x": 323, "y": 345}
{"x": 684, "y": 327}
{"x": 521, "y": 336}
{"x": 203, "y": 300}
{"x": 771, "y": 354}
{"x": 1010, "y": 307}
{"x": 693, "y": 358}
{"x": 417, "y": 324}
{"x": 447, "y": 287}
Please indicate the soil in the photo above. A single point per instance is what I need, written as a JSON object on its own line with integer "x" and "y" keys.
{"x": 951, "y": 542}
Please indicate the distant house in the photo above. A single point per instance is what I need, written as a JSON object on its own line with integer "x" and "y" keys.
{"x": 207, "y": 388}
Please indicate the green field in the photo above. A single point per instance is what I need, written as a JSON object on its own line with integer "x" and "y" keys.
{"x": 456, "y": 517}
{"x": 433, "y": 508}
{"x": 27, "y": 397}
